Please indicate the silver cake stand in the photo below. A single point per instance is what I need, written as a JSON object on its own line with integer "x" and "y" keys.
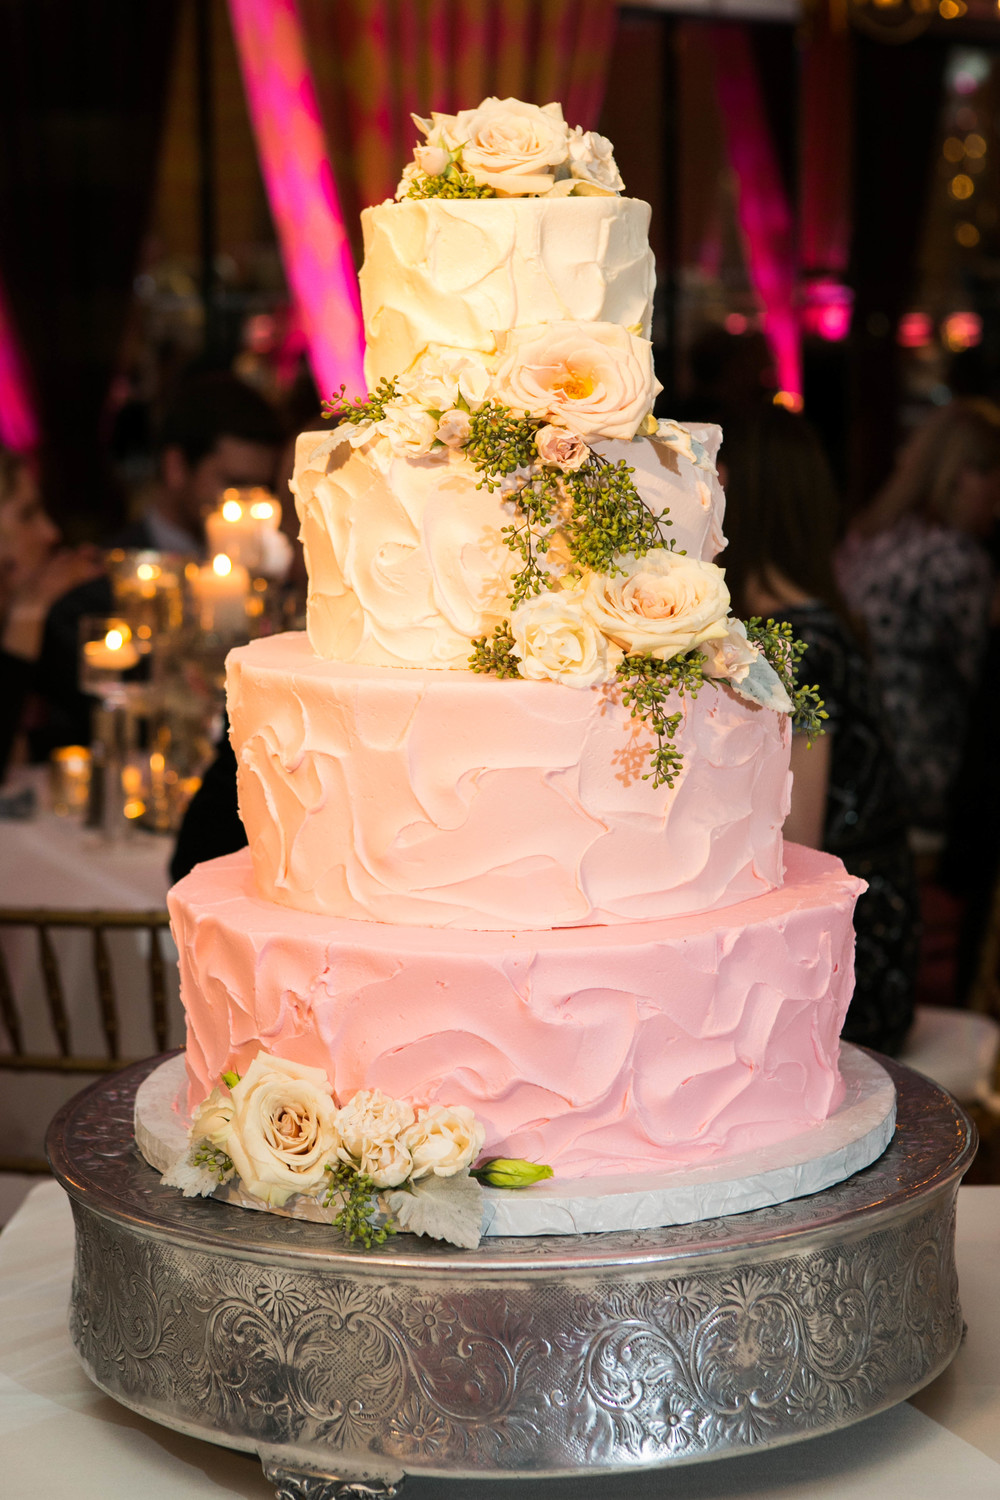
{"x": 345, "y": 1370}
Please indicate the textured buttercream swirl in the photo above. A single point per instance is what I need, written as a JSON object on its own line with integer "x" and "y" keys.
{"x": 598, "y": 1050}
{"x": 456, "y": 800}
{"x": 454, "y": 274}
{"x": 406, "y": 558}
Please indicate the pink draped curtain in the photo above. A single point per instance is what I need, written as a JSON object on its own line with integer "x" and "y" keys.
{"x": 767, "y": 226}
{"x": 377, "y": 61}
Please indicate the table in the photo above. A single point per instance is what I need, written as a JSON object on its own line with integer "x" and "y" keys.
{"x": 60, "y": 1436}
{"x": 53, "y": 862}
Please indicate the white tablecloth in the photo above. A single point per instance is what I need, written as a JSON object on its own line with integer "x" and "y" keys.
{"x": 61, "y": 1438}
{"x": 54, "y": 862}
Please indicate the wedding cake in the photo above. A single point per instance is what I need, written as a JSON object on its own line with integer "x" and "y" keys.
{"x": 515, "y": 881}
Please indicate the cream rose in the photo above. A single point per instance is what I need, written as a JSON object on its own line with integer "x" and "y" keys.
{"x": 431, "y": 160}
{"x": 664, "y": 604}
{"x": 512, "y": 147}
{"x": 409, "y": 429}
{"x": 372, "y": 1128}
{"x": 732, "y": 655}
{"x": 444, "y": 1140}
{"x": 213, "y": 1119}
{"x": 596, "y": 379}
{"x": 436, "y": 381}
{"x": 592, "y": 160}
{"x": 560, "y": 448}
{"x": 558, "y": 641}
{"x": 283, "y": 1130}
{"x": 453, "y": 428}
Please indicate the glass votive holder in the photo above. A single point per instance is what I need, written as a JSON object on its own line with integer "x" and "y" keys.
{"x": 69, "y": 780}
{"x": 107, "y": 652}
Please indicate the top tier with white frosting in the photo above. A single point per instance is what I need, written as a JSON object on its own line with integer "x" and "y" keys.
{"x": 455, "y": 273}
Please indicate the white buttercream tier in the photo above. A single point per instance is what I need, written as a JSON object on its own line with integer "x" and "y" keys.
{"x": 852, "y": 1137}
{"x": 456, "y": 272}
{"x": 406, "y": 560}
{"x": 452, "y": 799}
{"x": 598, "y": 1050}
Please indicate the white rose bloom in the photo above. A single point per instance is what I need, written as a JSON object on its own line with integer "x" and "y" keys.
{"x": 372, "y": 1128}
{"x": 439, "y": 130}
{"x": 513, "y": 147}
{"x": 665, "y": 604}
{"x": 564, "y": 450}
{"x": 213, "y": 1119}
{"x": 283, "y": 1129}
{"x": 596, "y": 379}
{"x": 592, "y": 160}
{"x": 444, "y": 1140}
{"x": 431, "y": 160}
{"x": 409, "y": 429}
{"x": 453, "y": 428}
{"x": 732, "y": 655}
{"x": 437, "y": 380}
{"x": 557, "y": 640}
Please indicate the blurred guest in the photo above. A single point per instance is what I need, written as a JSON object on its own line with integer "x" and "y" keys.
{"x": 219, "y": 433}
{"x": 916, "y": 570}
{"x": 34, "y": 572}
{"x": 782, "y": 522}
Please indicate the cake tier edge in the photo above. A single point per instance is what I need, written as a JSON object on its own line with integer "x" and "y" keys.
{"x": 597, "y": 1050}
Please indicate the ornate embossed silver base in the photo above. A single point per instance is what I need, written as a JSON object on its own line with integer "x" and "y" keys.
{"x": 543, "y": 1356}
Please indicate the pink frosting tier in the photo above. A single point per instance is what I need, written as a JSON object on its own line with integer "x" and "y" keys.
{"x": 448, "y": 799}
{"x": 599, "y": 1049}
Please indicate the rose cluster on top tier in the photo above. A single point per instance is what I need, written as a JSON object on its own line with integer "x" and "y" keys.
{"x": 513, "y": 150}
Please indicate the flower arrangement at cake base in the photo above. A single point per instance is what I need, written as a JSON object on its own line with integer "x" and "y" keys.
{"x": 370, "y": 1167}
{"x": 275, "y": 1141}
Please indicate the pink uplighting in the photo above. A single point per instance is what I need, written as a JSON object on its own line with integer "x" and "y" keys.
{"x": 827, "y": 310}
{"x": 18, "y": 425}
{"x": 301, "y": 188}
{"x": 765, "y": 217}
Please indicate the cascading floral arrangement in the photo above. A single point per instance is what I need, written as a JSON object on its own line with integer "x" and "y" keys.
{"x": 600, "y": 595}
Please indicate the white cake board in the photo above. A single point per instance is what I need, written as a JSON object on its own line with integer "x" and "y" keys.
{"x": 853, "y": 1137}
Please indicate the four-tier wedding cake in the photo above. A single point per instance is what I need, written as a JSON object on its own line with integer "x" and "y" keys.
{"x": 516, "y": 883}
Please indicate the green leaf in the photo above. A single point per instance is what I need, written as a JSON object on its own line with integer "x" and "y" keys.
{"x": 443, "y": 1208}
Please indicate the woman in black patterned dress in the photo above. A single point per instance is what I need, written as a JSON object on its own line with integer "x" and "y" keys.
{"x": 915, "y": 569}
{"x": 781, "y": 521}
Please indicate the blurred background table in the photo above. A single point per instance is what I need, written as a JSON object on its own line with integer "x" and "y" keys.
{"x": 59, "y": 1434}
{"x": 53, "y": 862}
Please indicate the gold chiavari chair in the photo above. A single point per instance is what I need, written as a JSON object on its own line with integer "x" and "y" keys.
{"x": 17, "y": 1055}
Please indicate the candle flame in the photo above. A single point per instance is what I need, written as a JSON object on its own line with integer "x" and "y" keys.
{"x": 147, "y": 571}
{"x": 221, "y": 564}
{"x": 232, "y": 511}
{"x": 262, "y": 511}
{"x": 114, "y": 640}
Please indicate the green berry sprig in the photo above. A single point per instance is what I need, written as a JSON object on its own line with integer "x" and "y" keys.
{"x": 358, "y": 1196}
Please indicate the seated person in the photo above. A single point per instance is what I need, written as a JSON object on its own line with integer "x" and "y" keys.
{"x": 34, "y": 572}
{"x": 217, "y": 433}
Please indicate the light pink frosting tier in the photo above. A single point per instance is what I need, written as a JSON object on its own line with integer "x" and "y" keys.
{"x": 448, "y": 799}
{"x": 599, "y": 1050}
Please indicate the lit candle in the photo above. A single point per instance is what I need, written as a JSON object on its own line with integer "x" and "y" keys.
{"x": 239, "y": 527}
{"x": 220, "y": 589}
{"x": 114, "y": 653}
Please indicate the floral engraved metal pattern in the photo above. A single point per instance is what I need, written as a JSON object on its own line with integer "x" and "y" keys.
{"x": 524, "y": 1356}
{"x": 289, "y": 1485}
